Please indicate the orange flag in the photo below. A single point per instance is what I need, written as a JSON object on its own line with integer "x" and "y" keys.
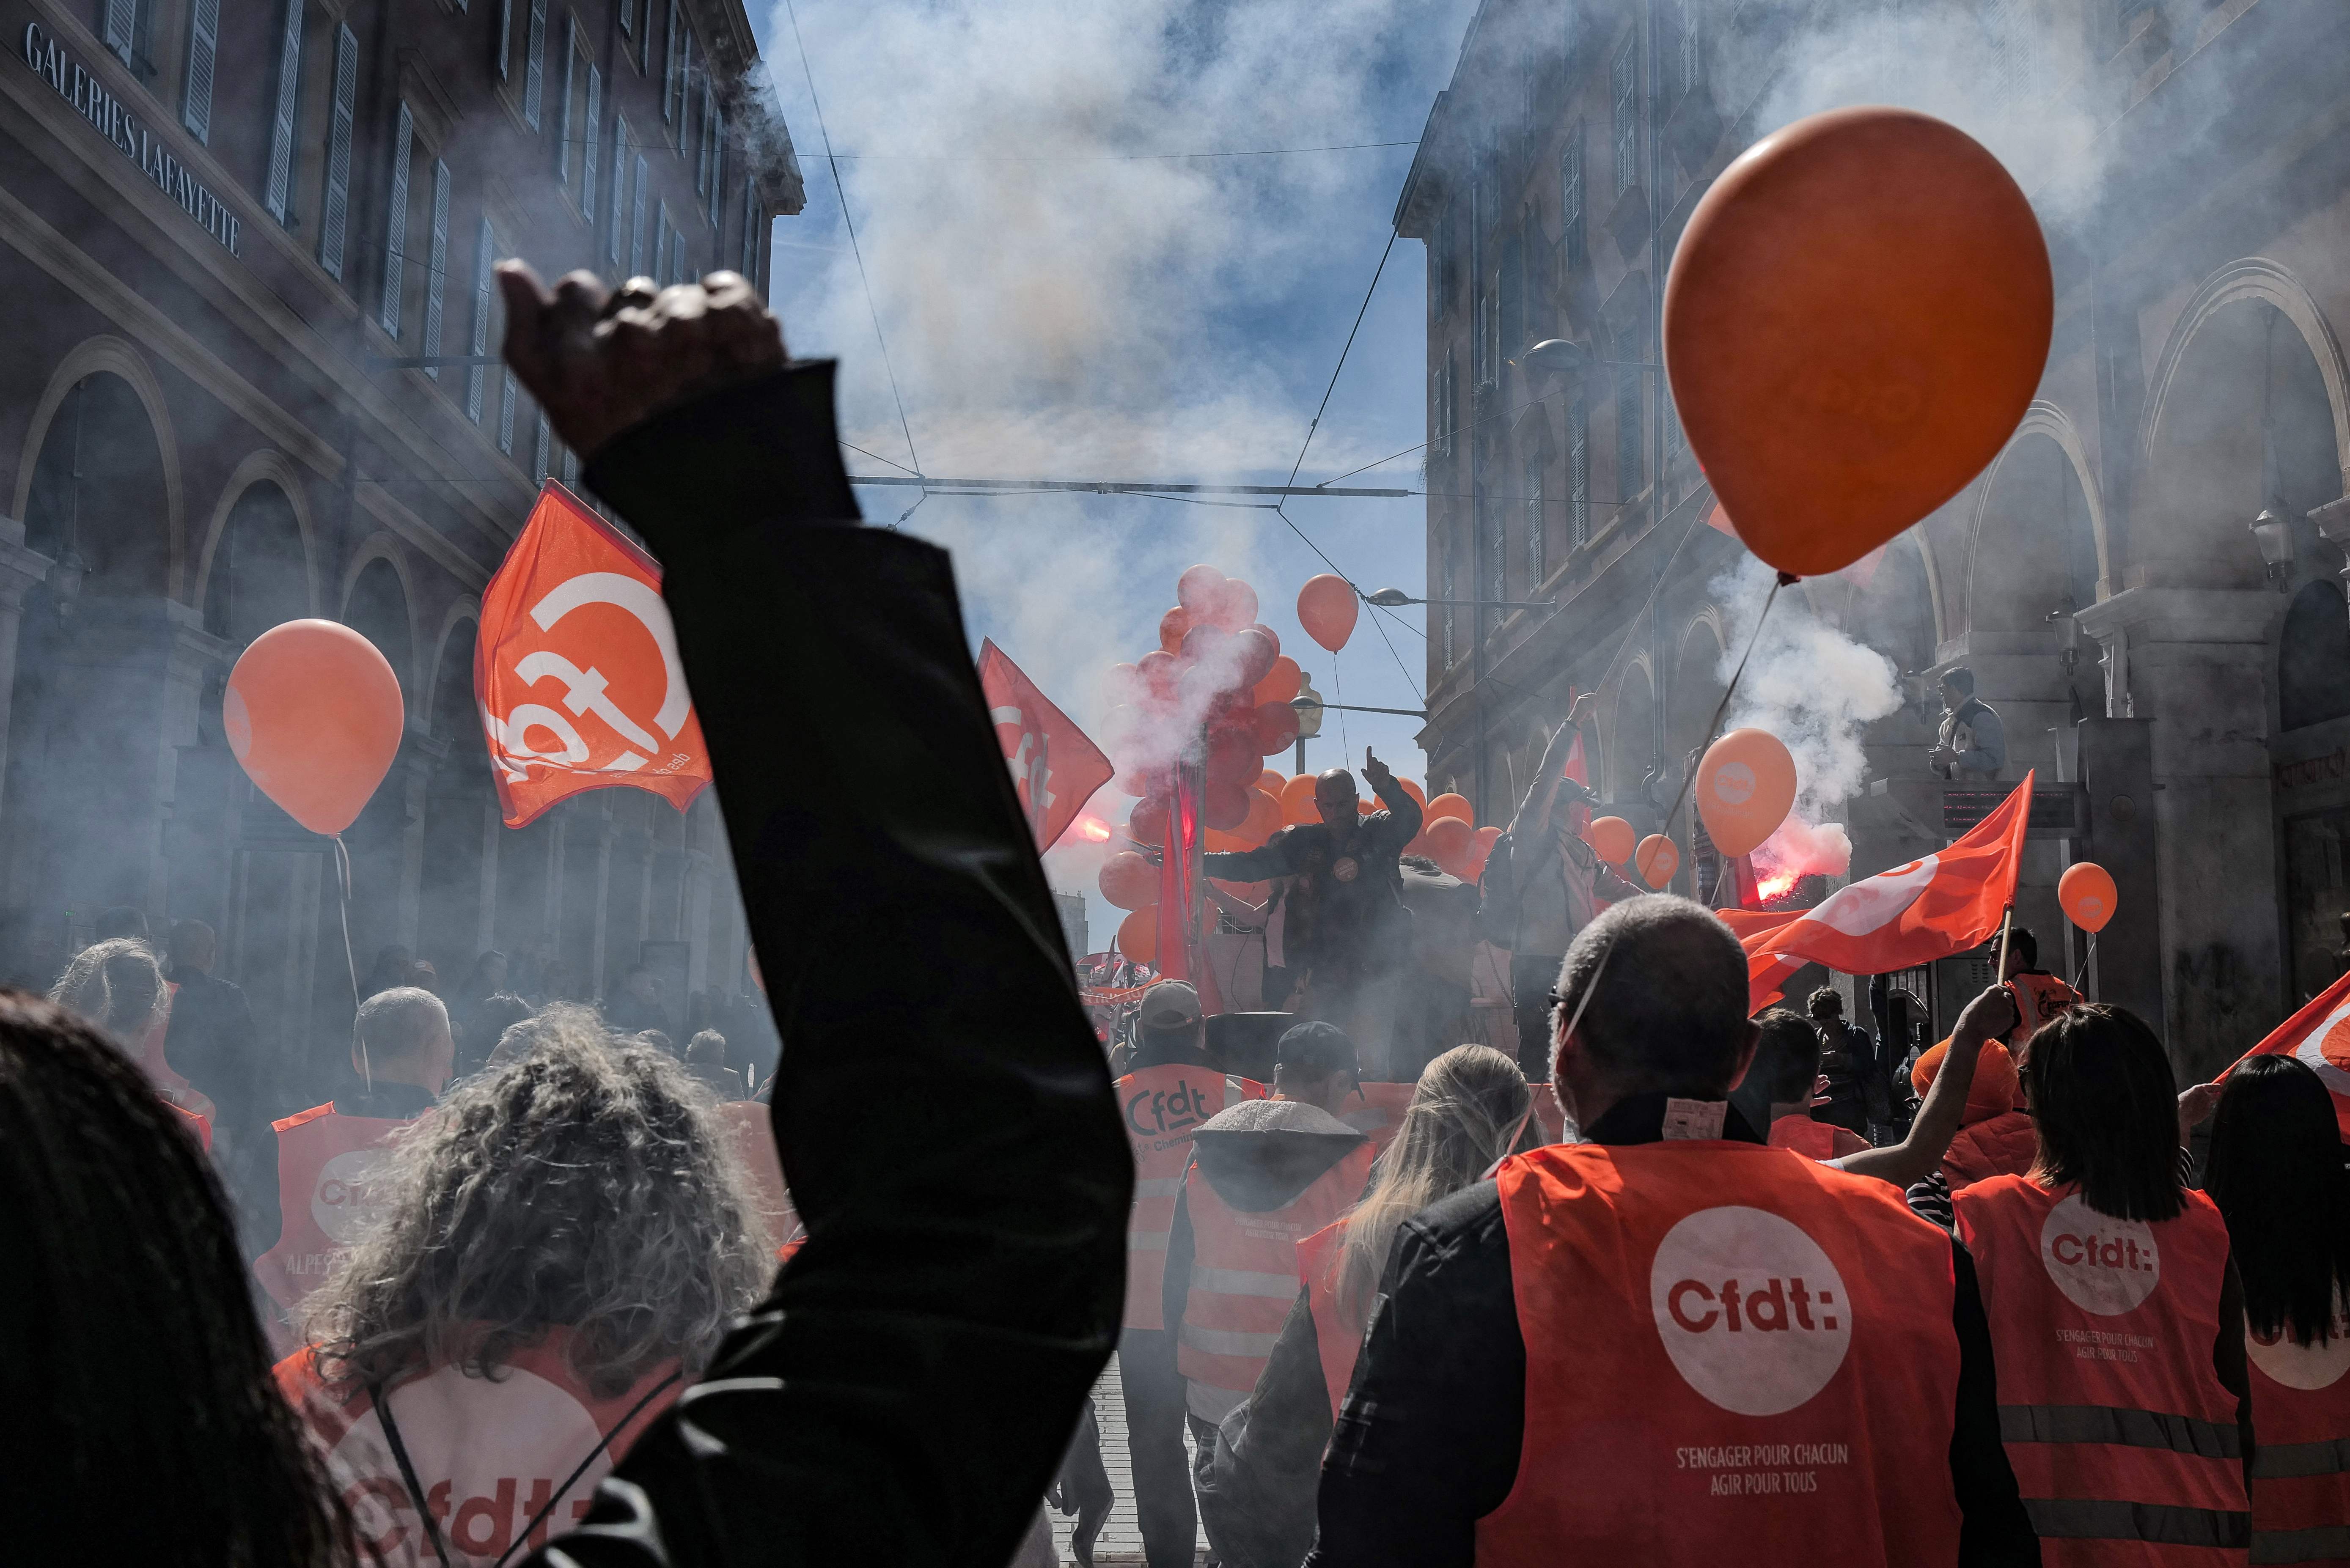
{"x": 1056, "y": 768}
{"x": 2318, "y": 1037}
{"x": 576, "y": 672}
{"x": 1945, "y": 903}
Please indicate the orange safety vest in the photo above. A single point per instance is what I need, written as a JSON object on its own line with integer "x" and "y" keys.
{"x": 2038, "y": 998}
{"x": 1161, "y": 1106}
{"x": 2005, "y": 1145}
{"x": 203, "y": 1127}
{"x": 2124, "y": 1441}
{"x": 1813, "y": 1140}
{"x": 2301, "y": 1466}
{"x": 1244, "y": 1279}
{"x": 1340, "y": 1346}
{"x": 488, "y": 1453}
{"x": 325, "y": 1162}
{"x": 1733, "y": 1355}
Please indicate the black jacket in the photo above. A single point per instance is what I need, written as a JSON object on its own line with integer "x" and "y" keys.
{"x": 1427, "y": 1441}
{"x": 1346, "y": 907}
{"x": 905, "y": 1393}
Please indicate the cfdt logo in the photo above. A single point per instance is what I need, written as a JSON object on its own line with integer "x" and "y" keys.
{"x": 2304, "y": 1367}
{"x": 1156, "y": 1113}
{"x": 346, "y": 1200}
{"x": 1752, "y": 1314}
{"x": 2103, "y": 1265}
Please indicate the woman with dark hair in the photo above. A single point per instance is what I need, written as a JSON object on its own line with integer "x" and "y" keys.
{"x": 2113, "y": 1310}
{"x": 558, "y": 1247}
{"x": 150, "y": 1432}
{"x": 2277, "y": 1176}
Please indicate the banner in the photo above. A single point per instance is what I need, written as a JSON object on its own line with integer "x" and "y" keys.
{"x": 2318, "y": 1037}
{"x": 576, "y": 672}
{"x": 1054, "y": 767}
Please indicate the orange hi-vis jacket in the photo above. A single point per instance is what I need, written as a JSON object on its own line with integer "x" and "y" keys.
{"x": 1161, "y": 1106}
{"x": 1733, "y": 1355}
{"x": 2301, "y": 1467}
{"x": 1317, "y": 1266}
{"x": 2005, "y": 1145}
{"x": 1245, "y": 1277}
{"x": 323, "y": 1165}
{"x": 2124, "y": 1439}
{"x": 2038, "y": 998}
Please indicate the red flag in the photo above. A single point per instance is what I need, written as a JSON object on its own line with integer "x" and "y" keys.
{"x": 1945, "y": 903}
{"x": 576, "y": 672}
{"x": 1056, "y": 768}
{"x": 2318, "y": 1037}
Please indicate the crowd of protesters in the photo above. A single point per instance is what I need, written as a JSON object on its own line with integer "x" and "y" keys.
{"x": 1681, "y": 1285}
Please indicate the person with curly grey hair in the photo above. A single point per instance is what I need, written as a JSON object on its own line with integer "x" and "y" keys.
{"x": 555, "y": 1248}
{"x": 118, "y": 985}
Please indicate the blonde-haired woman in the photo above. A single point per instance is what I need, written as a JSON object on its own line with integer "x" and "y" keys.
{"x": 118, "y": 986}
{"x": 1470, "y": 1107}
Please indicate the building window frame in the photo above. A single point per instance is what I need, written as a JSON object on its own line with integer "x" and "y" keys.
{"x": 1623, "y": 101}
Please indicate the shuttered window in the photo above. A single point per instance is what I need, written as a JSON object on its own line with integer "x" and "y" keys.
{"x": 203, "y": 55}
{"x": 660, "y": 245}
{"x": 637, "y": 223}
{"x": 616, "y": 241}
{"x": 563, "y": 116}
{"x": 505, "y": 39}
{"x": 395, "y": 226}
{"x": 335, "y": 215}
{"x": 486, "y": 250}
{"x": 508, "y": 392}
{"x": 541, "y": 438}
{"x": 436, "y": 276}
{"x": 588, "y": 146}
{"x": 702, "y": 146}
{"x": 278, "y": 189}
{"x": 534, "y": 64}
{"x": 118, "y": 26}
{"x": 670, "y": 73}
{"x": 717, "y": 165}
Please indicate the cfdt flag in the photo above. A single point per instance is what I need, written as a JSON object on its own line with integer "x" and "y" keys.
{"x": 1931, "y": 908}
{"x": 576, "y": 672}
{"x": 2318, "y": 1037}
{"x": 1056, "y": 768}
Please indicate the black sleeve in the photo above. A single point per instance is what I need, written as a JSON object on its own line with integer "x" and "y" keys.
{"x": 905, "y": 1393}
{"x": 1175, "y": 1280}
{"x": 1258, "y": 1504}
{"x": 1428, "y": 1440}
{"x": 1995, "y": 1531}
{"x": 2228, "y": 1360}
{"x": 1402, "y": 809}
{"x": 1266, "y": 861}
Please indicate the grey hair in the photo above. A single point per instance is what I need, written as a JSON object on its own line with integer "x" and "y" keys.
{"x": 587, "y": 1185}
{"x": 118, "y": 985}
{"x": 394, "y": 1024}
{"x": 1470, "y": 1107}
{"x": 557, "y": 1023}
{"x": 1668, "y": 983}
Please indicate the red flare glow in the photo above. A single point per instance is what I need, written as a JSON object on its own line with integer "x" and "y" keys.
{"x": 1775, "y": 884}
{"x": 1087, "y": 829}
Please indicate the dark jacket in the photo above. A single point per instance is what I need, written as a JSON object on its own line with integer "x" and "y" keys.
{"x": 1345, "y": 910}
{"x": 210, "y": 1042}
{"x": 905, "y": 1393}
{"x": 1858, "y": 1090}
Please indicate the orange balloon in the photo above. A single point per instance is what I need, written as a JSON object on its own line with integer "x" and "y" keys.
{"x": 1451, "y": 842}
{"x": 1263, "y": 818}
{"x": 1297, "y": 800}
{"x": 1128, "y": 881}
{"x": 1450, "y": 804}
{"x": 1273, "y": 783}
{"x": 1613, "y": 837}
{"x": 1171, "y": 627}
{"x": 1857, "y": 316}
{"x": 1201, "y": 591}
{"x": 314, "y": 714}
{"x": 1327, "y": 608}
{"x": 1137, "y": 936}
{"x": 2086, "y": 893}
{"x": 1745, "y": 787}
{"x": 1657, "y": 859}
{"x": 1281, "y": 685}
{"x": 1147, "y": 823}
{"x": 1236, "y": 606}
{"x": 1418, "y": 795}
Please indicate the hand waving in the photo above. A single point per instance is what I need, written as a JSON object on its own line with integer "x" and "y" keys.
{"x": 1374, "y": 769}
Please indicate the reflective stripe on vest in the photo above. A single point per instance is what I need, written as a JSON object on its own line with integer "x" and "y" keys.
{"x": 1161, "y": 1106}
{"x": 2301, "y": 1464}
{"x": 2115, "y": 1422}
{"x": 325, "y": 1163}
{"x": 1244, "y": 1279}
{"x": 1733, "y": 1355}
{"x": 1318, "y": 1258}
{"x": 2319, "y": 1543}
{"x": 2276, "y": 1461}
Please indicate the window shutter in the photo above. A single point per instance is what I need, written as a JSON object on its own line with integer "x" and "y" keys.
{"x": 637, "y": 223}
{"x": 702, "y": 147}
{"x": 395, "y": 226}
{"x": 506, "y": 38}
{"x": 627, "y": 18}
{"x": 563, "y": 117}
{"x": 486, "y": 246}
{"x": 538, "y": 445}
{"x": 615, "y": 241}
{"x": 203, "y": 54}
{"x": 717, "y": 166}
{"x": 508, "y": 394}
{"x": 669, "y": 69}
{"x": 281, "y": 132}
{"x": 436, "y": 276}
{"x": 588, "y": 145}
{"x": 534, "y": 64}
{"x": 684, "y": 80}
{"x": 120, "y": 21}
{"x": 337, "y": 211}
{"x": 1578, "y": 472}
{"x": 660, "y": 245}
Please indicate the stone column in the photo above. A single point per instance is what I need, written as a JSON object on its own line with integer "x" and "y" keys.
{"x": 20, "y": 568}
{"x": 2197, "y": 662}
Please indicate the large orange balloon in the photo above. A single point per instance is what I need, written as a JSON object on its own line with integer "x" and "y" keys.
{"x": 2086, "y": 893}
{"x": 1657, "y": 859}
{"x": 1857, "y": 316}
{"x": 1745, "y": 787}
{"x": 1297, "y": 800}
{"x": 1273, "y": 783}
{"x": 1613, "y": 837}
{"x": 1451, "y": 842}
{"x": 1327, "y": 608}
{"x": 1172, "y": 625}
{"x": 1263, "y": 818}
{"x": 1448, "y": 804}
{"x": 1200, "y": 590}
{"x": 1282, "y": 684}
{"x": 1128, "y": 881}
{"x": 314, "y": 714}
{"x": 1137, "y": 936}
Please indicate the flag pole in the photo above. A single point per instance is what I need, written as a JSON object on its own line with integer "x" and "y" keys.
{"x": 2006, "y": 924}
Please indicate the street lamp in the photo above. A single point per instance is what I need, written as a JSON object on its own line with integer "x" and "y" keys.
{"x": 2273, "y": 534}
{"x": 1396, "y": 598}
{"x": 2068, "y": 633}
{"x": 1314, "y": 707}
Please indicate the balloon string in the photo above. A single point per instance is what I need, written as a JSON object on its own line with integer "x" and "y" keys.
{"x": 2087, "y": 958}
{"x": 1688, "y": 775}
{"x": 350, "y": 963}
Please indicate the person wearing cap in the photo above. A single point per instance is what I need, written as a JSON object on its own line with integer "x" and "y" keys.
{"x": 1265, "y": 1175}
{"x": 1669, "y": 1343}
{"x": 1170, "y": 1090}
{"x": 1971, "y": 743}
{"x": 1549, "y": 888}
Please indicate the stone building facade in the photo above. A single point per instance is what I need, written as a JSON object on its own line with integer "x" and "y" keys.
{"x": 233, "y": 228}
{"x": 2104, "y": 568}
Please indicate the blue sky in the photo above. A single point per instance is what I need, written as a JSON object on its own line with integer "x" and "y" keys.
{"x": 1055, "y": 307}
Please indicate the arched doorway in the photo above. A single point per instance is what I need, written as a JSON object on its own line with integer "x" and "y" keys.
{"x": 1632, "y": 756}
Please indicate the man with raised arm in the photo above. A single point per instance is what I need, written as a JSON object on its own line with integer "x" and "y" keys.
{"x": 904, "y": 1394}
